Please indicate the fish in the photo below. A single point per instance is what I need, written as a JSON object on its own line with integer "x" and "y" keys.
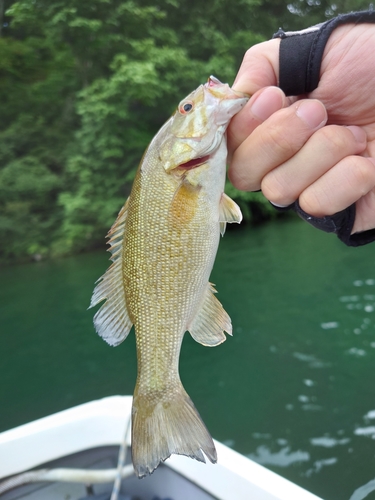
{"x": 163, "y": 245}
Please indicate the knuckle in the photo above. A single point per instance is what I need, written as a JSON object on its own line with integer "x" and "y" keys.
{"x": 249, "y": 53}
{"x": 242, "y": 173}
{"x": 363, "y": 174}
{"x": 275, "y": 189}
{"x": 255, "y": 51}
{"x": 277, "y": 143}
{"x": 338, "y": 138}
{"x": 241, "y": 179}
{"x": 311, "y": 204}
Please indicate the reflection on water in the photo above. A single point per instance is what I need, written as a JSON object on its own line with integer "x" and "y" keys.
{"x": 309, "y": 382}
{"x": 312, "y": 361}
{"x": 282, "y": 458}
{"x": 356, "y": 352}
{"x": 329, "y": 325}
{"x": 370, "y": 415}
{"x": 293, "y": 388}
{"x": 319, "y": 464}
{"x": 363, "y": 491}
{"x": 328, "y": 442}
{"x": 365, "y": 431}
{"x": 369, "y": 430}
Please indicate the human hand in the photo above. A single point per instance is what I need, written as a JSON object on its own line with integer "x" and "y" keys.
{"x": 319, "y": 148}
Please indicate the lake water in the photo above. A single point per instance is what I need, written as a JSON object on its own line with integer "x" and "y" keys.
{"x": 293, "y": 389}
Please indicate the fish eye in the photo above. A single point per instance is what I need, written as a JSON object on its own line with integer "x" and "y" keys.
{"x": 186, "y": 107}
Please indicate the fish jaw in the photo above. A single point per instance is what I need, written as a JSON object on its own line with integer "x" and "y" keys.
{"x": 223, "y": 90}
{"x": 228, "y": 108}
{"x": 198, "y": 132}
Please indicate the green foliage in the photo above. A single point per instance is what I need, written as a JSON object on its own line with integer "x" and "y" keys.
{"x": 26, "y": 185}
{"x": 36, "y": 91}
{"x": 84, "y": 87}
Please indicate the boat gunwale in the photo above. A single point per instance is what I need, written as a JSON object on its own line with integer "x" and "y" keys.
{"x": 102, "y": 423}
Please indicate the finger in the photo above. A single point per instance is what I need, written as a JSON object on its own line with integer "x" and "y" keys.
{"x": 274, "y": 142}
{"x": 344, "y": 184}
{"x": 365, "y": 210}
{"x": 324, "y": 149}
{"x": 261, "y": 106}
{"x": 259, "y": 68}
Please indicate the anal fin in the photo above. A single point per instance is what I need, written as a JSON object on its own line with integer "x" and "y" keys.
{"x": 211, "y": 321}
{"x": 229, "y": 211}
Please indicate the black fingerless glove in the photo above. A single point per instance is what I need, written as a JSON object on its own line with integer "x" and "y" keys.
{"x": 301, "y": 52}
{"x": 340, "y": 223}
{"x": 300, "y": 58}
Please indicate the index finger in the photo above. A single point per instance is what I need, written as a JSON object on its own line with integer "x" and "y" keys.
{"x": 261, "y": 106}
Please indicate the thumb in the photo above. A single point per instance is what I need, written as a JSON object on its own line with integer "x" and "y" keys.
{"x": 259, "y": 68}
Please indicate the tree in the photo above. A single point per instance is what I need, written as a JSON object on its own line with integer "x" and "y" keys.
{"x": 36, "y": 83}
{"x": 84, "y": 87}
{"x": 140, "y": 87}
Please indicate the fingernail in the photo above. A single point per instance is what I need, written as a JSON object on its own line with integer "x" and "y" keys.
{"x": 359, "y": 134}
{"x": 313, "y": 113}
{"x": 267, "y": 103}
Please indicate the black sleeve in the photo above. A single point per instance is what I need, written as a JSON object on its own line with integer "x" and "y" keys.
{"x": 300, "y": 58}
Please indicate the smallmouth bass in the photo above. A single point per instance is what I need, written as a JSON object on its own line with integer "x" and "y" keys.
{"x": 163, "y": 247}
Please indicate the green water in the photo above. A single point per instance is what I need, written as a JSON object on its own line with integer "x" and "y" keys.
{"x": 294, "y": 387}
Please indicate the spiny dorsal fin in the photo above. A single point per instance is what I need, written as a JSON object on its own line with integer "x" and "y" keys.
{"x": 211, "y": 321}
{"x": 229, "y": 211}
{"x": 112, "y": 321}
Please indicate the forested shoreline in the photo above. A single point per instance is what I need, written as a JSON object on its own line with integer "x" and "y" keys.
{"x": 84, "y": 86}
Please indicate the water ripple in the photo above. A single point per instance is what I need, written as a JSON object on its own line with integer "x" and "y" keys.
{"x": 356, "y": 352}
{"x": 312, "y": 361}
{"x": 369, "y": 415}
{"x": 282, "y": 458}
{"x": 365, "y": 431}
{"x": 329, "y": 325}
{"x": 363, "y": 491}
{"x": 319, "y": 464}
{"x": 328, "y": 442}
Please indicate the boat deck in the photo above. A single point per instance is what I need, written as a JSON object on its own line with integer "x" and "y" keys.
{"x": 163, "y": 484}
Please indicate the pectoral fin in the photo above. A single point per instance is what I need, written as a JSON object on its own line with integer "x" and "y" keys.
{"x": 229, "y": 211}
{"x": 184, "y": 203}
{"x": 112, "y": 321}
{"x": 211, "y": 321}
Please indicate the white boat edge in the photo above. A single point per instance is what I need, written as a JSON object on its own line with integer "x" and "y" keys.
{"x": 103, "y": 422}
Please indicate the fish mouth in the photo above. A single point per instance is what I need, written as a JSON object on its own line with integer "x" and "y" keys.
{"x": 194, "y": 163}
{"x": 214, "y": 83}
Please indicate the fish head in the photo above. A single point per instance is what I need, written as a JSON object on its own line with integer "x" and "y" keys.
{"x": 198, "y": 126}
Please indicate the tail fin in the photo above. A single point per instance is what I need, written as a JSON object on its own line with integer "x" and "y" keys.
{"x": 160, "y": 428}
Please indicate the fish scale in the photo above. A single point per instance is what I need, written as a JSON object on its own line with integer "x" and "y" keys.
{"x": 163, "y": 247}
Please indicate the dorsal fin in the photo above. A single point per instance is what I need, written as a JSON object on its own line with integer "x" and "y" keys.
{"x": 211, "y": 321}
{"x": 229, "y": 211}
{"x": 112, "y": 321}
